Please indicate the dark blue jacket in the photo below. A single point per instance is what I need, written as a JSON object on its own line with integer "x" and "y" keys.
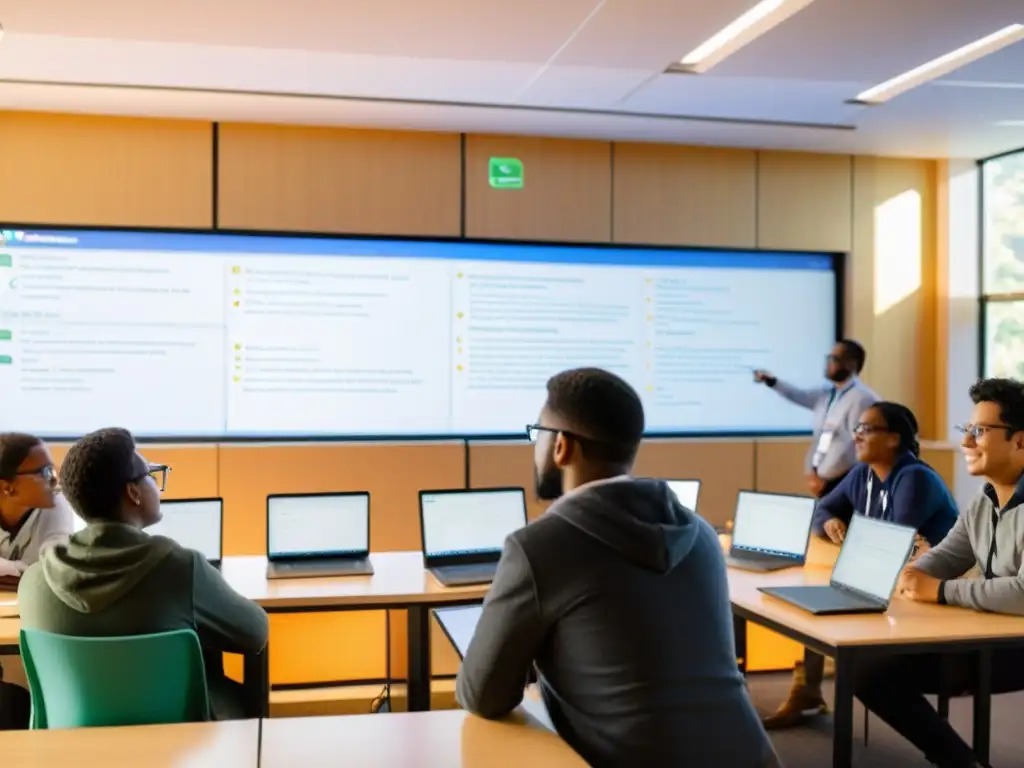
{"x": 913, "y": 495}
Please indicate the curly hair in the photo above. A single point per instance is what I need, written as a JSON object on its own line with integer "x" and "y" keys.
{"x": 1008, "y": 394}
{"x": 95, "y": 472}
{"x": 600, "y": 408}
{"x": 14, "y": 449}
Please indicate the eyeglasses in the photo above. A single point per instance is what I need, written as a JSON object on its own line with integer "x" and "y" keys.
{"x": 159, "y": 474}
{"x": 47, "y": 473}
{"x": 533, "y": 433}
{"x": 976, "y": 431}
{"x": 868, "y": 429}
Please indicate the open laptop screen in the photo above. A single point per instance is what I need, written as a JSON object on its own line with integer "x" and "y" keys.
{"x": 194, "y": 524}
{"x": 459, "y": 624}
{"x": 470, "y": 522}
{"x": 872, "y": 556}
{"x": 328, "y": 525}
{"x": 773, "y": 523}
{"x": 686, "y": 491}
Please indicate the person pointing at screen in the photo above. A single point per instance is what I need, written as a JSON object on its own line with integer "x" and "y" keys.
{"x": 837, "y": 408}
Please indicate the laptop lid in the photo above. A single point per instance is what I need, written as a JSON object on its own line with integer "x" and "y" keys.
{"x": 686, "y": 491}
{"x": 195, "y": 524}
{"x": 459, "y": 624}
{"x": 772, "y": 524}
{"x": 318, "y": 525}
{"x": 873, "y": 554}
{"x": 460, "y": 527}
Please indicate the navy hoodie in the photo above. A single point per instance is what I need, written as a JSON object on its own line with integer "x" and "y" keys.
{"x": 913, "y": 495}
{"x": 619, "y": 596}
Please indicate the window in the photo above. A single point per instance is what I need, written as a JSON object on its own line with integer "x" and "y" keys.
{"x": 1002, "y": 258}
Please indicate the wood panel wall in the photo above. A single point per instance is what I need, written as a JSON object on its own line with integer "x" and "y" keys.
{"x": 75, "y": 170}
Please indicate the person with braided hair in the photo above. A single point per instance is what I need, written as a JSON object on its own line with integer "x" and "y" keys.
{"x": 889, "y": 482}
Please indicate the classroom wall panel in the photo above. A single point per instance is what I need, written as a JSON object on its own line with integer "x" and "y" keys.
{"x": 567, "y": 191}
{"x": 780, "y": 465}
{"x": 109, "y": 171}
{"x": 275, "y": 177}
{"x": 696, "y": 196}
{"x": 803, "y": 201}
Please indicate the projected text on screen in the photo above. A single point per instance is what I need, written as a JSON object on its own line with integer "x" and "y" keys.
{"x": 227, "y": 336}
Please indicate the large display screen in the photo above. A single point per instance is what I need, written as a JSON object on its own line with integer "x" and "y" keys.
{"x": 179, "y": 335}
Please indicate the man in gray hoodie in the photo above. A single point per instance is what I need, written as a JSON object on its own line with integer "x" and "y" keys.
{"x": 618, "y": 596}
{"x": 988, "y": 534}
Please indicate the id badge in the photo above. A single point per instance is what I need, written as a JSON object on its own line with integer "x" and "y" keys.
{"x": 824, "y": 443}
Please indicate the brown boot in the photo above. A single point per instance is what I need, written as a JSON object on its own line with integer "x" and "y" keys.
{"x": 804, "y": 702}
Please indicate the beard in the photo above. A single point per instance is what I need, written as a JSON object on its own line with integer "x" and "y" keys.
{"x": 548, "y": 484}
{"x": 840, "y": 376}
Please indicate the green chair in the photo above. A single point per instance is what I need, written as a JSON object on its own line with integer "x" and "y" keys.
{"x": 93, "y": 681}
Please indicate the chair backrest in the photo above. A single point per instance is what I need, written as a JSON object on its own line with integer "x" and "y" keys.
{"x": 95, "y": 681}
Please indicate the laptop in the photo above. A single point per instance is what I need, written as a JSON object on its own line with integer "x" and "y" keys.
{"x": 686, "y": 491}
{"x": 770, "y": 531}
{"x": 195, "y": 524}
{"x": 865, "y": 575}
{"x": 311, "y": 535}
{"x": 459, "y": 624}
{"x": 463, "y": 532}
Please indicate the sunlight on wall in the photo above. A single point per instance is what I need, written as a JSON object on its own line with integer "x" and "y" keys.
{"x": 898, "y": 248}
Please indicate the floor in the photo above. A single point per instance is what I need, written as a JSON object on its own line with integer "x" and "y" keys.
{"x": 811, "y": 746}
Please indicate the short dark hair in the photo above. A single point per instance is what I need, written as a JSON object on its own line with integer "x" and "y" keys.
{"x": 1008, "y": 394}
{"x": 854, "y": 352}
{"x": 95, "y": 472}
{"x": 599, "y": 405}
{"x": 14, "y": 449}
{"x": 901, "y": 422}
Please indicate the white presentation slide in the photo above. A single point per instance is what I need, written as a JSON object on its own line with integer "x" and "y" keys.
{"x": 872, "y": 556}
{"x": 686, "y": 491}
{"x": 471, "y": 522}
{"x": 193, "y": 524}
{"x": 203, "y": 335}
{"x": 318, "y": 525}
{"x": 772, "y": 523}
{"x": 460, "y": 624}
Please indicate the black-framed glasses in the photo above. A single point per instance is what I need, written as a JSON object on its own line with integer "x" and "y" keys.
{"x": 48, "y": 474}
{"x": 976, "y": 431}
{"x": 533, "y": 433}
{"x": 158, "y": 472}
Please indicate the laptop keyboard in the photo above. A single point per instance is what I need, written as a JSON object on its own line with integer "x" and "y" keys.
{"x": 468, "y": 571}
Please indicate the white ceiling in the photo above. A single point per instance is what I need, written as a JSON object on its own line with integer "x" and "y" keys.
{"x": 580, "y": 68}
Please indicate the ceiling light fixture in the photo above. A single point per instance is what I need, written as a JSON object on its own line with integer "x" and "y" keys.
{"x": 942, "y": 65}
{"x": 747, "y": 28}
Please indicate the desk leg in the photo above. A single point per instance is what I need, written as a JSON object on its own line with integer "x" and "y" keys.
{"x": 842, "y": 716}
{"x": 419, "y": 658}
{"x": 739, "y": 631}
{"x": 256, "y": 683}
{"x": 983, "y": 705}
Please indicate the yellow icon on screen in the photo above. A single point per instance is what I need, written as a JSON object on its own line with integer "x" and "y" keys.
{"x": 238, "y": 346}
{"x": 458, "y": 367}
{"x": 236, "y": 303}
{"x": 236, "y": 270}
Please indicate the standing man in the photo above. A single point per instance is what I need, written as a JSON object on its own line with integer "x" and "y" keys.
{"x": 837, "y": 408}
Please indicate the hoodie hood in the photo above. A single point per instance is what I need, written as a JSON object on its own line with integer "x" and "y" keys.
{"x": 100, "y": 564}
{"x": 641, "y": 520}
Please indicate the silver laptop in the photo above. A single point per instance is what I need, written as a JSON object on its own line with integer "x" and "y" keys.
{"x": 865, "y": 575}
{"x": 687, "y": 491}
{"x": 318, "y": 534}
{"x": 771, "y": 531}
{"x": 195, "y": 524}
{"x": 464, "y": 532}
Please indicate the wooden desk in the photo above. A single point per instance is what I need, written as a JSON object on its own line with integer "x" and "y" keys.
{"x": 9, "y": 635}
{"x": 906, "y": 628}
{"x": 399, "y": 582}
{"x": 193, "y": 745}
{"x": 8, "y": 604}
{"x": 443, "y": 739}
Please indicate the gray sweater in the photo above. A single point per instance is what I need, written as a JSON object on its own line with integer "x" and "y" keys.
{"x": 43, "y": 528}
{"x": 619, "y": 596}
{"x": 1000, "y": 588}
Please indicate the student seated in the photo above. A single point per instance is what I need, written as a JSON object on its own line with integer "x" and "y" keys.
{"x": 990, "y": 534}
{"x": 32, "y": 516}
{"x": 890, "y": 482}
{"x": 618, "y": 595}
{"x": 113, "y": 579}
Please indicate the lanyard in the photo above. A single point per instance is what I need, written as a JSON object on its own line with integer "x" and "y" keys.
{"x": 883, "y": 496}
{"x": 834, "y": 398}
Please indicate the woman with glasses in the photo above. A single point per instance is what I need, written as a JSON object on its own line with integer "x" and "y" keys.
{"x": 889, "y": 482}
{"x": 31, "y": 516}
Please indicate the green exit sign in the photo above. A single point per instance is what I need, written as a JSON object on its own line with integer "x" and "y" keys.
{"x": 505, "y": 172}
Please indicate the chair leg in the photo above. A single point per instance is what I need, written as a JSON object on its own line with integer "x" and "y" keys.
{"x": 867, "y": 720}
